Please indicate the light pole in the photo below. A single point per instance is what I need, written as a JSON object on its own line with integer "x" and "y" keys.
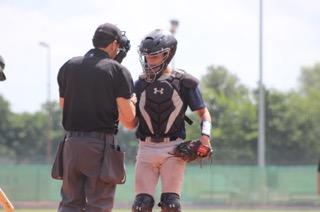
{"x": 261, "y": 139}
{"x": 173, "y": 29}
{"x": 49, "y": 123}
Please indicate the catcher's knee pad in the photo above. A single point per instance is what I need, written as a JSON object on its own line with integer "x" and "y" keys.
{"x": 143, "y": 203}
{"x": 170, "y": 202}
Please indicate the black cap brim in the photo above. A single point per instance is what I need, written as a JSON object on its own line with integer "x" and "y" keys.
{"x": 2, "y": 76}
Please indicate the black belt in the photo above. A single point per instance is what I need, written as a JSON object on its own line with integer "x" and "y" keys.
{"x": 97, "y": 135}
{"x": 159, "y": 140}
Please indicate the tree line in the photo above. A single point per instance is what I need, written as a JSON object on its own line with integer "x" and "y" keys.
{"x": 292, "y": 123}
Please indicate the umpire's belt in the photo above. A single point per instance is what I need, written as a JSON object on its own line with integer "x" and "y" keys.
{"x": 160, "y": 140}
{"x": 96, "y": 135}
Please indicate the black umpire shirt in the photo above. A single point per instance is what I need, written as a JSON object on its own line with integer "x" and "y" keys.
{"x": 90, "y": 85}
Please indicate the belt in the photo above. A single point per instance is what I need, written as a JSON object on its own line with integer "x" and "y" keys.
{"x": 97, "y": 135}
{"x": 159, "y": 140}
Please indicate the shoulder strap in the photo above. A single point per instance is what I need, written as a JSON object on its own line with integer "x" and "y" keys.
{"x": 139, "y": 86}
{"x": 177, "y": 80}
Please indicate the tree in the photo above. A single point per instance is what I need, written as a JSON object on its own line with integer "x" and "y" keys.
{"x": 5, "y": 151}
{"x": 234, "y": 116}
{"x": 23, "y": 135}
{"x": 293, "y": 121}
{"x": 310, "y": 79}
{"x": 27, "y": 137}
{"x": 57, "y": 132}
{"x": 292, "y": 129}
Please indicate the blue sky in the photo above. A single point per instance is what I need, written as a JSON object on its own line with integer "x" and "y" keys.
{"x": 211, "y": 32}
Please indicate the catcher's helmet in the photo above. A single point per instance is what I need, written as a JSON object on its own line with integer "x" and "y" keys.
{"x": 158, "y": 42}
{"x": 2, "y": 65}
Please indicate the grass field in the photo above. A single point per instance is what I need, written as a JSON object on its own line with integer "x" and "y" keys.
{"x": 190, "y": 210}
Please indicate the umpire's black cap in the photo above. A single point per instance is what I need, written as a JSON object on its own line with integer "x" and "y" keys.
{"x": 105, "y": 34}
{"x": 2, "y": 65}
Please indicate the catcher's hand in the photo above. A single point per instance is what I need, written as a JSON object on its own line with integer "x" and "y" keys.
{"x": 192, "y": 150}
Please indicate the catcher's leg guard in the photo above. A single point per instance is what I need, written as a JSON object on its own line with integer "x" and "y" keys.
{"x": 170, "y": 202}
{"x": 143, "y": 203}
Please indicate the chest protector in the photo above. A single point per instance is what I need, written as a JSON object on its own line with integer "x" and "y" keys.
{"x": 160, "y": 107}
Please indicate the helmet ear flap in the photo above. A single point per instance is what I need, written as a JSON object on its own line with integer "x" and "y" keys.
{"x": 172, "y": 52}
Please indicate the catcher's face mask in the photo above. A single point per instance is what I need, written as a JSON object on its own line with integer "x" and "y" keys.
{"x": 153, "y": 64}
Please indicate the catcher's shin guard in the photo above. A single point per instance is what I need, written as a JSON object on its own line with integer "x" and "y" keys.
{"x": 143, "y": 203}
{"x": 170, "y": 202}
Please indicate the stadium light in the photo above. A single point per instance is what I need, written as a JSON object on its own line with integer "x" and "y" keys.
{"x": 261, "y": 118}
{"x": 48, "y": 133}
{"x": 173, "y": 29}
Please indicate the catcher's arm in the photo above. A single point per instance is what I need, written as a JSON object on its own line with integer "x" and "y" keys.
{"x": 61, "y": 102}
{"x": 205, "y": 119}
{"x": 127, "y": 111}
{"x": 5, "y": 202}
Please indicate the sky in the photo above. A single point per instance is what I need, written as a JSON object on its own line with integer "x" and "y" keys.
{"x": 211, "y": 32}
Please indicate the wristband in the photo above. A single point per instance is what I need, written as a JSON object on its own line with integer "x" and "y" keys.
{"x": 206, "y": 128}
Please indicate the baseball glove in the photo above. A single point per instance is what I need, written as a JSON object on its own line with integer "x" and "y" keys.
{"x": 191, "y": 150}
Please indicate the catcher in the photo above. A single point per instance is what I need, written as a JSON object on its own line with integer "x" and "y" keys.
{"x": 163, "y": 95}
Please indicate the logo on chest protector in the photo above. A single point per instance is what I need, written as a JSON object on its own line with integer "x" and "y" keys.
{"x": 160, "y": 106}
{"x": 156, "y": 90}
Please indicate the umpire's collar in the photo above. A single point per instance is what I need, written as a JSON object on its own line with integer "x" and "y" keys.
{"x": 97, "y": 53}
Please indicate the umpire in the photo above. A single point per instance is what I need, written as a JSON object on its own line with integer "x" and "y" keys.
{"x": 95, "y": 93}
{"x": 2, "y": 65}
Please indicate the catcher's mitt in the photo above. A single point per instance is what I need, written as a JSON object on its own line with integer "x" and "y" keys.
{"x": 191, "y": 150}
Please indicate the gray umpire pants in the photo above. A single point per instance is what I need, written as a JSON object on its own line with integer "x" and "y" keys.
{"x": 82, "y": 190}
